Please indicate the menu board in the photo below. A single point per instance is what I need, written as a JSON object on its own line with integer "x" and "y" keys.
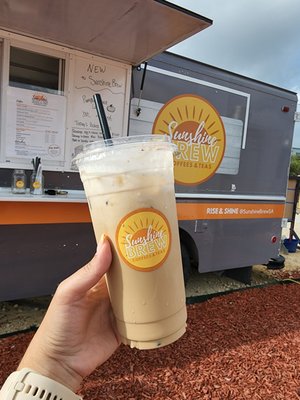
{"x": 35, "y": 124}
{"x": 55, "y": 127}
{"x": 95, "y": 75}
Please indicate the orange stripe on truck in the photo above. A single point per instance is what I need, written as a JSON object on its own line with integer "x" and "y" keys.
{"x": 14, "y": 213}
{"x": 18, "y": 213}
{"x": 190, "y": 211}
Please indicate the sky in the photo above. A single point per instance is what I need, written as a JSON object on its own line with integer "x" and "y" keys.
{"x": 256, "y": 38}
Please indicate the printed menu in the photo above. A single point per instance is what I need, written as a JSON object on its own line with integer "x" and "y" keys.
{"x": 35, "y": 124}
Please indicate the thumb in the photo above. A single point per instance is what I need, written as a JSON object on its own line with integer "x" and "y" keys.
{"x": 76, "y": 285}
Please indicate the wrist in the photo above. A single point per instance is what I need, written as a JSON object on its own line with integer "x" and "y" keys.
{"x": 52, "y": 370}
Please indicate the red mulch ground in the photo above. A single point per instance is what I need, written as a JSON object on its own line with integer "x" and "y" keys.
{"x": 244, "y": 345}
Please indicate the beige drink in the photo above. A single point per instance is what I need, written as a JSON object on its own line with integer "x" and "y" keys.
{"x": 130, "y": 191}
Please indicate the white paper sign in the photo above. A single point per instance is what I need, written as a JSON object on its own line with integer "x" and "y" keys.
{"x": 96, "y": 76}
{"x": 35, "y": 124}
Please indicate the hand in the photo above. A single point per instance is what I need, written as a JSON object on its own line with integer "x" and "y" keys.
{"x": 77, "y": 333}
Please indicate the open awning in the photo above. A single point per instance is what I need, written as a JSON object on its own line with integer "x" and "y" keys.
{"x": 130, "y": 31}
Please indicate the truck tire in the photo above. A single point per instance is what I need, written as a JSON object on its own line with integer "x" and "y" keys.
{"x": 276, "y": 262}
{"x": 186, "y": 263}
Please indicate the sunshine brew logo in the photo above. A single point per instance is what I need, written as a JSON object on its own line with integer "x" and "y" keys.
{"x": 39, "y": 99}
{"x": 143, "y": 239}
{"x": 197, "y": 129}
{"x": 20, "y": 184}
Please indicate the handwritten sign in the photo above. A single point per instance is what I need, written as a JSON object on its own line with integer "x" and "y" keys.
{"x": 95, "y": 75}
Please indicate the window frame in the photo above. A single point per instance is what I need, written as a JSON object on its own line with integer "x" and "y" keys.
{"x": 9, "y": 40}
{"x": 60, "y": 77}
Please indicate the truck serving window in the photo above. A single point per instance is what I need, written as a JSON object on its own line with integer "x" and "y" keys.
{"x": 35, "y": 71}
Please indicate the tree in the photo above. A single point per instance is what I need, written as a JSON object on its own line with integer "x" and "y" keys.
{"x": 295, "y": 165}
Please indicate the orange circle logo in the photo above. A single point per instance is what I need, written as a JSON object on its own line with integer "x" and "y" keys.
{"x": 20, "y": 184}
{"x": 197, "y": 129}
{"x": 36, "y": 184}
{"x": 143, "y": 239}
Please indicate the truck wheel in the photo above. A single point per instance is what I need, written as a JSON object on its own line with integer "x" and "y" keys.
{"x": 186, "y": 263}
{"x": 276, "y": 262}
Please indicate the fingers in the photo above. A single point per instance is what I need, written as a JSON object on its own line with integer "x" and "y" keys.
{"x": 85, "y": 278}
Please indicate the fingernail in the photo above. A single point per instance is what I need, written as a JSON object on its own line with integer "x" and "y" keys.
{"x": 103, "y": 238}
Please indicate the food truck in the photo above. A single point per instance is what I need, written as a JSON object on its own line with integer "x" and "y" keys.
{"x": 234, "y": 136}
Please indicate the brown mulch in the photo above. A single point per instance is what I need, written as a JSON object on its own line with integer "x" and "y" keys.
{"x": 281, "y": 275}
{"x": 244, "y": 345}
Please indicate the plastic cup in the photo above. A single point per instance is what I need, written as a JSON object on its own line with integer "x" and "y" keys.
{"x": 129, "y": 185}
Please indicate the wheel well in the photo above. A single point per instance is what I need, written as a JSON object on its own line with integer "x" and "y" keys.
{"x": 189, "y": 243}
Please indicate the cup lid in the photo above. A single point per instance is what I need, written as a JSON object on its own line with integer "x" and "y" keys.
{"x": 99, "y": 149}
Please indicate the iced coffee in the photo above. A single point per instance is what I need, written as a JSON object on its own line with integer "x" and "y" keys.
{"x": 129, "y": 186}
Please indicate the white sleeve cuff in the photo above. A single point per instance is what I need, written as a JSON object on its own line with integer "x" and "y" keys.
{"x": 29, "y": 385}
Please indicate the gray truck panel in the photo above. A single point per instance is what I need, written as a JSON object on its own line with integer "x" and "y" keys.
{"x": 259, "y": 121}
{"x": 264, "y": 162}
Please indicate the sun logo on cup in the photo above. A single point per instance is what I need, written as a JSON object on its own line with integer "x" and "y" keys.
{"x": 197, "y": 129}
{"x": 143, "y": 239}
